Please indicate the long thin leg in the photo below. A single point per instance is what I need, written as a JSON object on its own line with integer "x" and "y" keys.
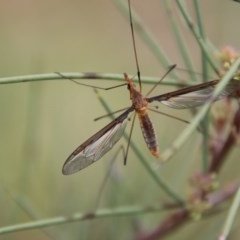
{"x": 129, "y": 139}
{"x": 88, "y": 85}
{"x": 154, "y": 86}
{"x": 134, "y": 46}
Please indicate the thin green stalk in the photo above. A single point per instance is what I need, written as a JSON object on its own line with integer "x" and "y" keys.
{"x": 179, "y": 40}
{"x": 146, "y": 36}
{"x": 205, "y": 122}
{"x": 199, "y": 19}
{"x": 87, "y": 76}
{"x": 195, "y": 122}
{"x": 102, "y": 213}
{"x": 231, "y": 216}
{"x": 159, "y": 180}
{"x": 196, "y": 32}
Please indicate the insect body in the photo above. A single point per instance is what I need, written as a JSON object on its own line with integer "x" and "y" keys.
{"x": 140, "y": 103}
{"x": 102, "y": 141}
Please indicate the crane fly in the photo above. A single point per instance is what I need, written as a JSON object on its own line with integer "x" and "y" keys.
{"x": 101, "y": 142}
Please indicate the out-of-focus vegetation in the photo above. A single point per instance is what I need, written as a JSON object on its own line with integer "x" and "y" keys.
{"x": 42, "y": 122}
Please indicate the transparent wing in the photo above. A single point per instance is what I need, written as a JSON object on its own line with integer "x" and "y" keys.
{"x": 196, "y": 95}
{"x": 96, "y": 146}
{"x": 196, "y": 98}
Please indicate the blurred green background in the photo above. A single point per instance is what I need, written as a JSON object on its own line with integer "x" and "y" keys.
{"x": 41, "y": 123}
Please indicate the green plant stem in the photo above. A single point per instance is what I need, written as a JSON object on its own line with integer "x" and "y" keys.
{"x": 195, "y": 122}
{"x": 231, "y": 216}
{"x": 102, "y": 213}
{"x": 180, "y": 41}
{"x": 196, "y": 32}
{"x": 205, "y": 122}
{"x": 87, "y": 76}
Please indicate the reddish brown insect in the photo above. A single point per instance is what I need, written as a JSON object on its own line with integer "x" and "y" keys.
{"x": 102, "y": 141}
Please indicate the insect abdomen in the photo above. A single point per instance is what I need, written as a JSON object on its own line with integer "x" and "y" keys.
{"x": 148, "y": 133}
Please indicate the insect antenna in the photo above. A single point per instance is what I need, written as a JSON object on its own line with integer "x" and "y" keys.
{"x": 134, "y": 46}
{"x": 88, "y": 85}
